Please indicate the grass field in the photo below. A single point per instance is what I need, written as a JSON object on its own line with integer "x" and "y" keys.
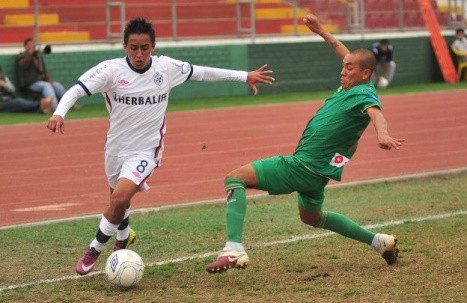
{"x": 290, "y": 261}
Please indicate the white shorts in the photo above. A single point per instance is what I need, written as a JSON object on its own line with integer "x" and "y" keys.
{"x": 136, "y": 168}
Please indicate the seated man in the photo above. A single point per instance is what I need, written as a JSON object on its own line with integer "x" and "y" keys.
{"x": 383, "y": 52}
{"x": 33, "y": 75}
{"x": 459, "y": 47}
{"x": 10, "y": 103}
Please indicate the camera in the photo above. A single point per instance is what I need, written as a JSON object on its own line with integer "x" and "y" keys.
{"x": 45, "y": 49}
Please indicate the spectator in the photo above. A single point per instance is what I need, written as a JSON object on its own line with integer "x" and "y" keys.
{"x": 10, "y": 103}
{"x": 33, "y": 75}
{"x": 459, "y": 47}
{"x": 460, "y": 44}
{"x": 384, "y": 57}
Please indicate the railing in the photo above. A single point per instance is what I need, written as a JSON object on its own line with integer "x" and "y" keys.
{"x": 120, "y": 6}
{"x": 103, "y": 20}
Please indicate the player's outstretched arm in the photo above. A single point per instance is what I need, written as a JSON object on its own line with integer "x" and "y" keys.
{"x": 56, "y": 122}
{"x": 261, "y": 75}
{"x": 315, "y": 26}
{"x": 381, "y": 126}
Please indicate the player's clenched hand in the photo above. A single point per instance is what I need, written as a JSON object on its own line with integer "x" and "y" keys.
{"x": 261, "y": 75}
{"x": 312, "y": 22}
{"x": 56, "y": 124}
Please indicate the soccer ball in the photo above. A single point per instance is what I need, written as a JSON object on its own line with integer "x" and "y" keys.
{"x": 383, "y": 82}
{"x": 124, "y": 268}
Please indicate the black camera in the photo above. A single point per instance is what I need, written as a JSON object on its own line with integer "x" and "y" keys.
{"x": 45, "y": 49}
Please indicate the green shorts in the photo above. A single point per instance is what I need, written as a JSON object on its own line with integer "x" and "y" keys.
{"x": 285, "y": 174}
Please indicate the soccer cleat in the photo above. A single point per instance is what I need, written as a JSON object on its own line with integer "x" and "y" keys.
{"x": 228, "y": 259}
{"x": 387, "y": 248}
{"x": 122, "y": 244}
{"x": 86, "y": 263}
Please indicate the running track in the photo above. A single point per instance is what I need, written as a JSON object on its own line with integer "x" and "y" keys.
{"x": 48, "y": 176}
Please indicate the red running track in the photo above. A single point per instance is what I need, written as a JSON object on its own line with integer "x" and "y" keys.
{"x": 48, "y": 176}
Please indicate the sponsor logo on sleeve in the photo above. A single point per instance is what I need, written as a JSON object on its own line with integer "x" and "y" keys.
{"x": 95, "y": 73}
{"x": 339, "y": 160}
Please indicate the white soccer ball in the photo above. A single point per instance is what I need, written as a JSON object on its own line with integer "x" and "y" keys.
{"x": 383, "y": 82}
{"x": 124, "y": 268}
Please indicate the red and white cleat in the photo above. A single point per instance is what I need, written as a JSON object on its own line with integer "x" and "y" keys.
{"x": 387, "y": 248}
{"x": 228, "y": 259}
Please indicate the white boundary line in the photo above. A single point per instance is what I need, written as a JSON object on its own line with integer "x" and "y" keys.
{"x": 218, "y": 201}
{"x": 289, "y": 240}
{"x": 209, "y": 254}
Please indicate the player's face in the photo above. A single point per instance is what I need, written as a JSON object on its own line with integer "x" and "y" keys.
{"x": 384, "y": 47}
{"x": 30, "y": 45}
{"x": 352, "y": 74}
{"x": 139, "y": 50}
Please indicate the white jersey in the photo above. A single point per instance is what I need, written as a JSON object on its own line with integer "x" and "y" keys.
{"x": 461, "y": 45}
{"x": 136, "y": 101}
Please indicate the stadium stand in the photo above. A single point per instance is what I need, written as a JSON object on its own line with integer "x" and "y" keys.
{"x": 70, "y": 21}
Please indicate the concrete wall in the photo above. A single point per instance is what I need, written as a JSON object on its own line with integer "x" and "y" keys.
{"x": 314, "y": 67}
{"x": 298, "y": 66}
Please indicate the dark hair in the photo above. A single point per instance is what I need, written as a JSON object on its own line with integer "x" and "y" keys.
{"x": 459, "y": 30}
{"x": 384, "y": 41}
{"x": 367, "y": 59}
{"x": 139, "y": 26}
{"x": 26, "y": 41}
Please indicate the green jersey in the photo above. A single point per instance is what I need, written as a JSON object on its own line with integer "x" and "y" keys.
{"x": 331, "y": 136}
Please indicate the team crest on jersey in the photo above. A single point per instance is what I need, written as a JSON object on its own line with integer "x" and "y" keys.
{"x": 339, "y": 160}
{"x": 158, "y": 79}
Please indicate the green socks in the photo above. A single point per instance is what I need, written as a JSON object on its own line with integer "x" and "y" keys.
{"x": 236, "y": 209}
{"x": 342, "y": 225}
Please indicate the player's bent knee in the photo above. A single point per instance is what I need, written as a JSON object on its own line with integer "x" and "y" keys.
{"x": 245, "y": 173}
{"x": 119, "y": 202}
{"x": 236, "y": 173}
{"x": 310, "y": 218}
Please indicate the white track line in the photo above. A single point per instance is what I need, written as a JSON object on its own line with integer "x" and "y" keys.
{"x": 209, "y": 254}
{"x": 216, "y": 201}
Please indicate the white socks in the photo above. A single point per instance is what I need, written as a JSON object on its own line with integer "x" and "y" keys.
{"x": 106, "y": 228}
{"x": 234, "y": 246}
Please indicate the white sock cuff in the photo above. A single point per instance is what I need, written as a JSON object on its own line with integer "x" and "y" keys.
{"x": 107, "y": 228}
{"x": 375, "y": 242}
{"x": 234, "y": 246}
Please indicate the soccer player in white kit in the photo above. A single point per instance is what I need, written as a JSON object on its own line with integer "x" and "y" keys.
{"x": 136, "y": 91}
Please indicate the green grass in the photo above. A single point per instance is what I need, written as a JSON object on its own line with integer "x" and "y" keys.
{"x": 95, "y": 111}
{"x": 324, "y": 269}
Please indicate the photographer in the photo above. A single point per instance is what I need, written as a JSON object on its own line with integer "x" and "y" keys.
{"x": 33, "y": 75}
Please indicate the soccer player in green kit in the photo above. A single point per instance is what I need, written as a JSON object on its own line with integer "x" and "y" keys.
{"x": 327, "y": 144}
